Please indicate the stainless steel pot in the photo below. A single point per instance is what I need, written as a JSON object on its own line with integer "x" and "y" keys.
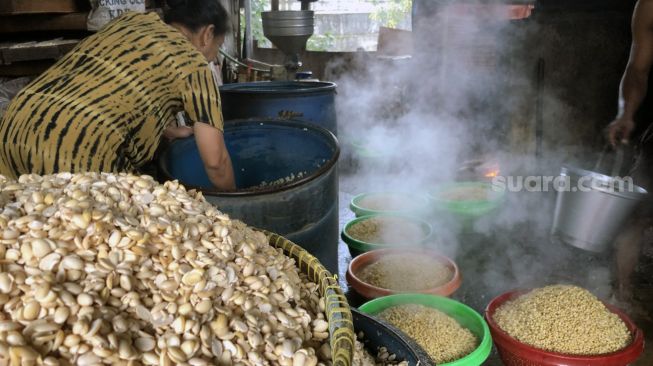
{"x": 591, "y": 208}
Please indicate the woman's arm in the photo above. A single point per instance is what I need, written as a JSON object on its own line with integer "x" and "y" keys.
{"x": 217, "y": 162}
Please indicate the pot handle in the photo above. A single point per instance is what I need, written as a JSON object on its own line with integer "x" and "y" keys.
{"x": 618, "y": 160}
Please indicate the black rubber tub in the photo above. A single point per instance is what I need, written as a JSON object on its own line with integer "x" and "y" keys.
{"x": 377, "y": 335}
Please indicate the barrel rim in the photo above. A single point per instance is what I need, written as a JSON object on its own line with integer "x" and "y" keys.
{"x": 273, "y": 189}
{"x": 267, "y": 87}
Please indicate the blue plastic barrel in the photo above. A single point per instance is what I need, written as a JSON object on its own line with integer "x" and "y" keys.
{"x": 310, "y": 101}
{"x": 304, "y": 211}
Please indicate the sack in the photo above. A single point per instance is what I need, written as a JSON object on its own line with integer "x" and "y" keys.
{"x": 103, "y": 11}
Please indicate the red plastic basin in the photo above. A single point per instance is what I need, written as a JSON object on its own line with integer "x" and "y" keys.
{"x": 370, "y": 291}
{"x": 516, "y": 353}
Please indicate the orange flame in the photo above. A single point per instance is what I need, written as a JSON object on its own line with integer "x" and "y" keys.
{"x": 492, "y": 173}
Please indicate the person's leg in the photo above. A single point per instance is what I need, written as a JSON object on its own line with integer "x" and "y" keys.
{"x": 628, "y": 247}
{"x": 629, "y": 242}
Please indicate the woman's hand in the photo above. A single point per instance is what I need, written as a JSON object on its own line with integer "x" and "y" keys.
{"x": 177, "y": 132}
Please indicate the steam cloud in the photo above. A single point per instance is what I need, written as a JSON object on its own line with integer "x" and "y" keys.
{"x": 408, "y": 125}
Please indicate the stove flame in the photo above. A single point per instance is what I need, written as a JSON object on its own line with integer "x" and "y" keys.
{"x": 492, "y": 173}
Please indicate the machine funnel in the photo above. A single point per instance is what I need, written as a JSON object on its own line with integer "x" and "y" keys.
{"x": 288, "y": 30}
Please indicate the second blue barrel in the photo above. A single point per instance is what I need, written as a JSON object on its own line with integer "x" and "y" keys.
{"x": 310, "y": 101}
{"x": 305, "y": 210}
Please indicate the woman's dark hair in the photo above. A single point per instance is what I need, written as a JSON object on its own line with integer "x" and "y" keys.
{"x": 195, "y": 14}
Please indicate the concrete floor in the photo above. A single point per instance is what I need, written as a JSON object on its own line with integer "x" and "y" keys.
{"x": 509, "y": 255}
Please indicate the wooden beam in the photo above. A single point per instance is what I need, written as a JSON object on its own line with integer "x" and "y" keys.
{"x": 42, "y": 6}
{"x": 42, "y": 22}
{"x": 27, "y": 68}
{"x": 30, "y": 51}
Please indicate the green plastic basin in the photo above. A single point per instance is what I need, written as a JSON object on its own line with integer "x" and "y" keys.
{"x": 470, "y": 209}
{"x": 357, "y": 247}
{"x": 462, "y": 313}
{"x": 363, "y": 149}
{"x": 417, "y": 204}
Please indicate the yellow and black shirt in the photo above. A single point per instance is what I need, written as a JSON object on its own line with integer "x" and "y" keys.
{"x": 104, "y": 106}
